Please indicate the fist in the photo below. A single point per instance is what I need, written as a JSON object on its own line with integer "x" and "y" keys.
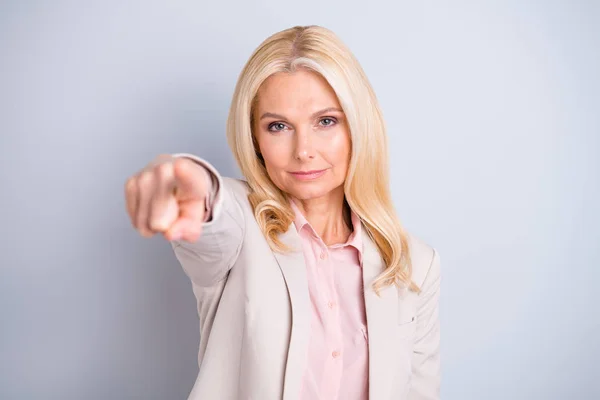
{"x": 169, "y": 196}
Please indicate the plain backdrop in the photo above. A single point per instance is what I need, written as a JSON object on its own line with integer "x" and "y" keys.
{"x": 493, "y": 114}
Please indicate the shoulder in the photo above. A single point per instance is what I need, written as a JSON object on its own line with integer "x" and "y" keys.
{"x": 238, "y": 187}
{"x": 424, "y": 260}
{"x": 238, "y": 191}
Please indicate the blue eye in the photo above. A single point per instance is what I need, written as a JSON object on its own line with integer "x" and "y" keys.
{"x": 276, "y": 127}
{"x": 327, "y": 121}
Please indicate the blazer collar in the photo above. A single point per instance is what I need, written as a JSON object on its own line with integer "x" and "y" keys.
{"x": 293, "y": 268}
{"x": 382, "y": 314}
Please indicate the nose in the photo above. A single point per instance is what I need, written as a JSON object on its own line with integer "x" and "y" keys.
{"x": 304, "y": 150}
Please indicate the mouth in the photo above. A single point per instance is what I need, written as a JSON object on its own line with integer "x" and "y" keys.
{"x": 308, "y": 175}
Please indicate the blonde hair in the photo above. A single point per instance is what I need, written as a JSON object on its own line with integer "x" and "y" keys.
{"x": 367, "y": 183}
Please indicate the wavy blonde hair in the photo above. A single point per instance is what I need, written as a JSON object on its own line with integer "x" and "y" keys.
{"x": 367, "y": 182}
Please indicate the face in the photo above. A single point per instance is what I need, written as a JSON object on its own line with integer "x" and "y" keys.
{"x": 302, "y": 135}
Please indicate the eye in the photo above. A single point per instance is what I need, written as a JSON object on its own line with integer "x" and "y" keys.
{"x": 276, "y": 127}
{"x": 327, "y": 121}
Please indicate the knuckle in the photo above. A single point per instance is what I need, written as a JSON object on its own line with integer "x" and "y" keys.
{"x": 145, "y": 179}
{"x": 130, "y": 185}
{"x": 159, "y": 160}
{"x": 163, "y": 171}
{"x": 181, "y": 162}
{"x": 164, "y": 157}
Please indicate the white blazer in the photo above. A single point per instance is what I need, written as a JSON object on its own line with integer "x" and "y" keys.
{"x": 254, "y": 311}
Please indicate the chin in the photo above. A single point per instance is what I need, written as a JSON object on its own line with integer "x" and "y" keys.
{"x": 308, "y": 191}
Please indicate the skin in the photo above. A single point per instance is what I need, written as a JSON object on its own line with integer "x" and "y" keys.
{"x": 300, "y": 126}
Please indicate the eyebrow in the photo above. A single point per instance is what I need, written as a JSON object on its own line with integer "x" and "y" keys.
{"x": 314, "y": 115}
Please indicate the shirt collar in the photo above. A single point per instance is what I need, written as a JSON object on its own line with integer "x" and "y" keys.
{"x": 354, "y": 240}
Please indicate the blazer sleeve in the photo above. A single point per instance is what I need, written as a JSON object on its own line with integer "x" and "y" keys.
{"x": 426, "y": 351}
{"x": 208, "y": 260}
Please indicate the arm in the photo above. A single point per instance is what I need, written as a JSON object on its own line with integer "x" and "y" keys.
{"x": 426, "y": 353}
{"x": 208, "y": 260}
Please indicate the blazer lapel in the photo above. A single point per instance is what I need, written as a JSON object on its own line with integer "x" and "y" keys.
{"x": 381, "y": 314}
{"x": 293, "y": 268}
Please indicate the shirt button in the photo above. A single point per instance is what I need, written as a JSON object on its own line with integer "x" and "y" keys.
{"x": 323, "y": 255}
{"x": 335, "y": 354}
{"x": 331, "y": 304}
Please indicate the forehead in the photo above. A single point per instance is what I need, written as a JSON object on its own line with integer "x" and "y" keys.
{"x": 301, "y": 90}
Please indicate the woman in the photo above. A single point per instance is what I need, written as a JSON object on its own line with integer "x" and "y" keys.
{"x": 307, "y": 286}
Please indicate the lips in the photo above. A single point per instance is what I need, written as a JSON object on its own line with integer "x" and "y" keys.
{"x": 308, "y": 175}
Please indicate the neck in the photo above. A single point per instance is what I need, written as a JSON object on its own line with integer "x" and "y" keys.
{"x": 329, "y": 216}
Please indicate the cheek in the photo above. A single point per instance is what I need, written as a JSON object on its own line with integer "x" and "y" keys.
{"x": 338, "y": 150}
{"x": 274, "y": 152}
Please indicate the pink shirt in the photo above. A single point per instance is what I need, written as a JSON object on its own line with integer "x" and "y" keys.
{"x": 338, "y": 357}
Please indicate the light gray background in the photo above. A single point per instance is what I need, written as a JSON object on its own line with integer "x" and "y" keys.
{"x": 493, "y": 115}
